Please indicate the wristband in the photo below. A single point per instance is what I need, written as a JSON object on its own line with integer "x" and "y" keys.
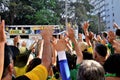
{"x": 61, "y": 55}
{"x": 63, "y": 64}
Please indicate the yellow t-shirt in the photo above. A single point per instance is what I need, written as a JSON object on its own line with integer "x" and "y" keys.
{"x": 38, "y": 73}
{"x": 20, "y": 71}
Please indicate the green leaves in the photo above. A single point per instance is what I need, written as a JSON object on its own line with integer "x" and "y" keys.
{"x": 46, "y": 12}
{"x": 45, "y": 17}
{"x": 27, "y": 12}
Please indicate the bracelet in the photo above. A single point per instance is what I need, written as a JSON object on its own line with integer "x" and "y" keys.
{"x": 61, "y": 55}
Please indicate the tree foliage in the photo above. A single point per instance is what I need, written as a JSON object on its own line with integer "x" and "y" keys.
{"x": 30, "y": 12}
{"x": 43, "y": 12}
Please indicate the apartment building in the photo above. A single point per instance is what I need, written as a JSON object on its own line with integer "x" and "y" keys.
{"x": 108, "y": 11}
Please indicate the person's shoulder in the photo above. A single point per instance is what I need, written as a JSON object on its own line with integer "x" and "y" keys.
{"x": 38, "y": 73}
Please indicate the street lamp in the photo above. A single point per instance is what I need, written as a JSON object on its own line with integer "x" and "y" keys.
{"x": 66, "y": 9}
{"x": 99, "y": 23}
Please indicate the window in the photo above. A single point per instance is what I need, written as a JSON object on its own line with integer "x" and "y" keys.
{"x": 113, "y": 14}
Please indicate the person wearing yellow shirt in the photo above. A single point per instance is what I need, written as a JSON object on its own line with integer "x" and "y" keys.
{"x": 38, "y": 73}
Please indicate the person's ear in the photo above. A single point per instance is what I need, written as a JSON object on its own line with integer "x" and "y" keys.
{"x": 10, "y": 68}
{"x": 95, "y": 55}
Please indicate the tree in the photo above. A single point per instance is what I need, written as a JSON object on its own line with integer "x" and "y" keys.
{"x": 77, "y": 11}
{"x": 17, "y": 11}
{"x": 30, "y": 12}
{"x": 43, "y": 12}
{"x": 46, "y": 15}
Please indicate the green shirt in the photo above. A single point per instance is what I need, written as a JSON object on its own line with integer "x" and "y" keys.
{"x": 110, "y": 75}
{"x": 73, "y": 72}
{"x": 111, "y": 48}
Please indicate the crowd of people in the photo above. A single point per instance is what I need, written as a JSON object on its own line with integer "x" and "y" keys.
{"x": 63, "y": 58}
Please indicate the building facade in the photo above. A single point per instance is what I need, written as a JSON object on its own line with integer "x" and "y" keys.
{"x": 108, "y": 11}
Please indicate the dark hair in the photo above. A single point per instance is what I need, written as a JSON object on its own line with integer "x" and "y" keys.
{"x": 23, "y": 77}
{"x": 118, "y": 32}
{"x": 105, "y": 34}
{"x": 87, "y": 55}
{"x": 90, "y": 70}
{"x": 22, "y": 59}
{"x": 33, "y": 63}
{"x": 101, "y": 49}
{"x": 7, "y": 59}
{"x": 71, "y": 60}
{"x": 112, "y": 64}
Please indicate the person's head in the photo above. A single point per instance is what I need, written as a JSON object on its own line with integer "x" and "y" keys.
{"x": 87, "y": 55}
{"x": 8, "y": 64}
{"x": 100, "y": 53}
{"x": 21, "y": 59}
{"x": 23, "y": 50}
{"x": 23, "y": 44}
{"x": 90, "y": 70}
{"x": 117, "y": 32}
{"x": 33, "y": 63}
{"x": 112, "y": 64}
{"x": 83, "y": 46}
{"x": 104, "y": 34}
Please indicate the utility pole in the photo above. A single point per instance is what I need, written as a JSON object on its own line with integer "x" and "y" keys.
{"x": 99, "y": 23}
{"x": 66, "y": 9}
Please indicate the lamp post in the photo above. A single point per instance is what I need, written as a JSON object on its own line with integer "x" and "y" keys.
{"x": 66, "y": 9}
{"x": 99, "y": 23}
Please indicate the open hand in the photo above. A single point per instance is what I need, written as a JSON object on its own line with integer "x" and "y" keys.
{"x": 115, "y": 25}
{"x": 60, "y": 45}
{"x": 86, "y": 26}
{"x": 47, "y": 33}
{"x": 111, "y": 36}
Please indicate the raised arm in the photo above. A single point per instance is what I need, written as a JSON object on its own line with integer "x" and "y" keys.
{"x": 115, "y": 25}
{"x": 47, "y": 50}
{"x": 2, "y": 43}
{"x": 77, "y": 49}
{"x": 41, "y": 71}
{"x": 85, "y": 29}
{"x": 33, "y": 45}
{"x": 60, "y": 47}
{"x": 40, "y": 48}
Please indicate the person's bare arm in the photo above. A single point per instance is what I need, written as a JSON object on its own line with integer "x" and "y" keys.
{"x": 77, "y": 49}
{"x": 47, "y": 51}
{"x": 40, "y": 48}
{"x": 85, "y": 29}
{"x": 54, "y": 56}
{"x": 2, "y": 43}
{"x": 60, "y": 47}
{"x": 33, "y": 45}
